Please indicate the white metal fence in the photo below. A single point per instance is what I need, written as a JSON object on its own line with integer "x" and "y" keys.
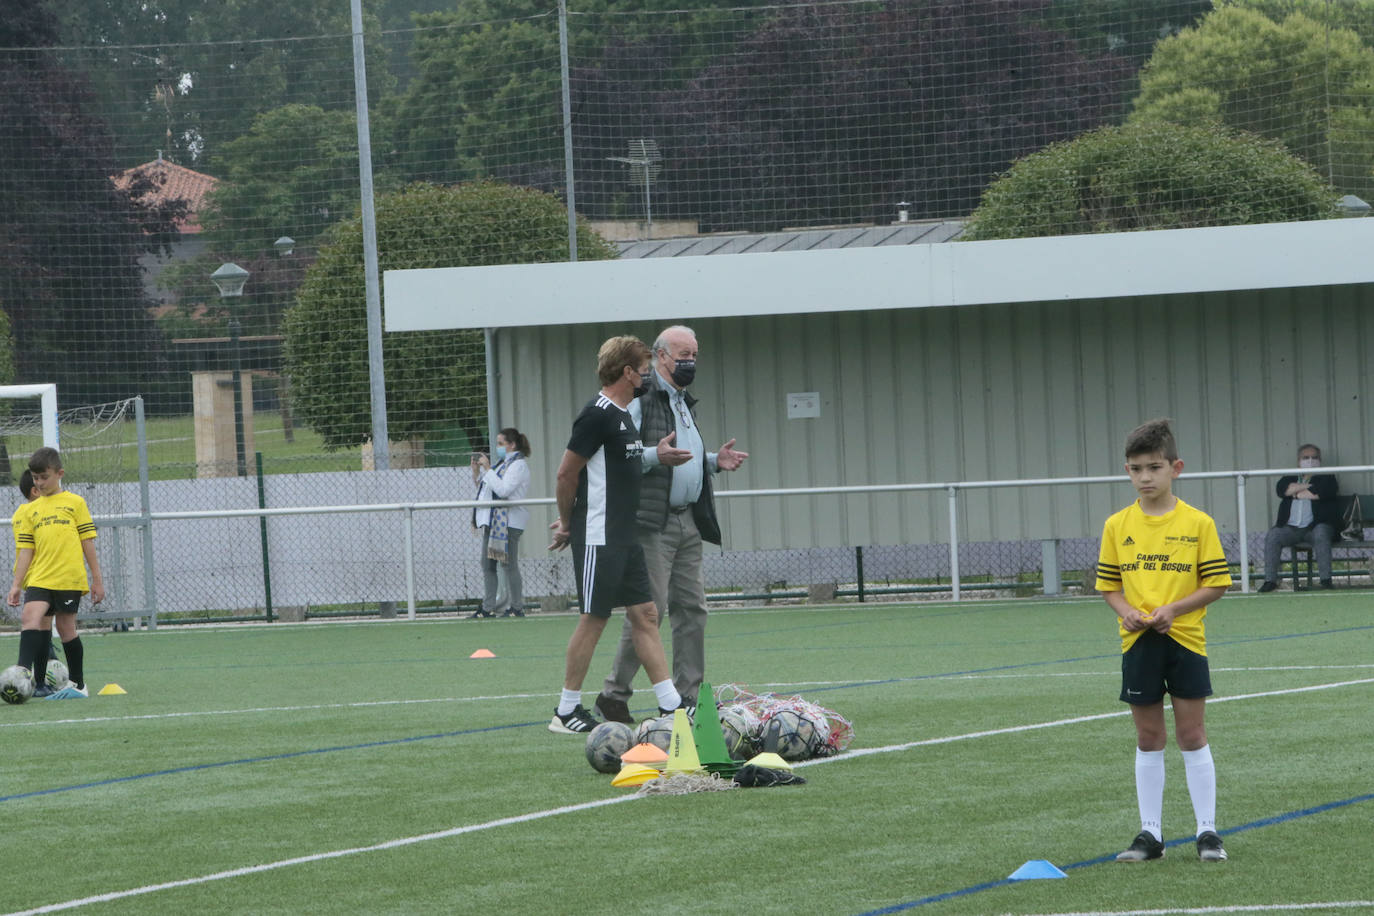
{"x": 423, "y": 553}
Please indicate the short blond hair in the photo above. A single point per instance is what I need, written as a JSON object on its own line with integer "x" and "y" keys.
{"x": 617, "y": 353}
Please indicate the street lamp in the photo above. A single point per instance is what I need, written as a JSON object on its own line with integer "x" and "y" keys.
{"x": 229, "y": 280}
{"x": 284, "y": 245}
{"x": 1350, "y": 205}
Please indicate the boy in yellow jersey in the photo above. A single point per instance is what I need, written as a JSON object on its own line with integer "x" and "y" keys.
{"x": 30, "y": 493}
{"x": 54, "y": 539}
{"x": 1160, "y": 565}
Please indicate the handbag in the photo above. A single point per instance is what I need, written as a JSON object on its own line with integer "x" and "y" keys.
{"x": 1352, "y": 525}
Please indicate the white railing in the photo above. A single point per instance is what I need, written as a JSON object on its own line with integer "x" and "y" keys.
{"x": 952, "y": 489}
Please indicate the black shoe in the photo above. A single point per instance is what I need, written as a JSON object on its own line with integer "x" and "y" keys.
{"x": 613, "y": 710}
{"x": 43, "y": 690}
{"x": 1209, "y": 848}
{"x": 507, "y": 613}
{"x": 1268, "y": 587}
{"x": 479, "y": 613}
{"x": 690, "y": 709}
{"x": 1326, "y": 583}
{"x": 574, "y": 723}
{"x": 1143, "y": 848}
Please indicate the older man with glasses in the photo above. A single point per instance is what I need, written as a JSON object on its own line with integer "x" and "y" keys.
{"x": 676, "y": 514}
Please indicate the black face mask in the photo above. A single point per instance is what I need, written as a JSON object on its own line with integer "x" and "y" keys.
{"x": 643, "y": 385}
{"x": 684, "y": 371}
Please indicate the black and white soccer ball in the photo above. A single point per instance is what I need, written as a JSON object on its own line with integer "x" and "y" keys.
{"x": 801, "y": 735}
{"x": 606, "y": 743}
{"x": 658, "y": 732}
{"x": 57, "y": 676}
{"x": 16, "y": 684}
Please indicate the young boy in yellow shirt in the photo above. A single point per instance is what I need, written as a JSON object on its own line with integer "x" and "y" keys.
{"x": 54, "y": 539}
{"x": 1160, "y": 565}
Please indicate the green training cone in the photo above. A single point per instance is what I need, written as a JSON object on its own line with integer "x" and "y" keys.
{"x": 709, "y": 736}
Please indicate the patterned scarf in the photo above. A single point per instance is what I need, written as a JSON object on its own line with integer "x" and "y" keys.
{"x": 498, "y": 535}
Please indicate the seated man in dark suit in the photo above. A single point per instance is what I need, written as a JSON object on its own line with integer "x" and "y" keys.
{"x": 1308, "y": 514}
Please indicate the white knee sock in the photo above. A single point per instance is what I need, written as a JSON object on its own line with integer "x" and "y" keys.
{"x": 668, "y": 697}
{"x": 1149, "y": 790}
{"x": 1202, "y": 786}
{"x": 568, "y": 700}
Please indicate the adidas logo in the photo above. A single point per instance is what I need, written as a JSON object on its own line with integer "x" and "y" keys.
{"x": 622, "y": 425}
{"x": 1129, "y": 542}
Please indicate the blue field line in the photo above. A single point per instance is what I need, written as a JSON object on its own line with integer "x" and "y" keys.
{"x": 1111, "y": 857}
{"x": 264, "y": 759}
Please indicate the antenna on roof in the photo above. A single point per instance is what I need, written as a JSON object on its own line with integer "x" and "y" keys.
{"x": 645, "y": 163}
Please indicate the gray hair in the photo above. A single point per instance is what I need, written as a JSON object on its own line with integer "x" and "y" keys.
{"x": 661, "y": 343}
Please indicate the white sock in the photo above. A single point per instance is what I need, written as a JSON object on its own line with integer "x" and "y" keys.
{"x": 568, "y": 701}
{"x": 1149, "y": 791}
{"x": 1202, "y": 786}
{"x": 668, "y": 697}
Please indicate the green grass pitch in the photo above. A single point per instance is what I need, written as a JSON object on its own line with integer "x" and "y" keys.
{"x": 376, "y": 768}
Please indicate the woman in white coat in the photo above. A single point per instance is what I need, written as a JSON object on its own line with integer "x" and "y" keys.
{"x": 502, "y": 527}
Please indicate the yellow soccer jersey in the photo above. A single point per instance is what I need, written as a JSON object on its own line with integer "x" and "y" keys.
{"x": 1157, "y": 559}
{"x": 54, "y": 527}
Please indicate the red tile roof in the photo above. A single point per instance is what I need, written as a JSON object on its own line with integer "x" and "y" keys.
{"x": 175, "y": 183}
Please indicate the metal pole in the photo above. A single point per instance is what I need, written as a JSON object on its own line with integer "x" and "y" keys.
{"x": 262, "y": 537}
{"x": 409, "y": 524}
{"x": 240, "y": 459}
{"x": 145, "y": 511}
{"x": 570, "y": 191}
{"x": 1244, "y": 537}
{"x": 859, "y": 570}
{"x": 493, "y": 408}
{"x": 954, "y": 540}
{"x": 381, "y": 449}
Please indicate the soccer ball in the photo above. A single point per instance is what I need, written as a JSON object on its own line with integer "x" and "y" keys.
{"x": 753, "y": 725}
{"x": 800, "y": 737}
{"x": 658, "y": 732}
{"x": 16, "y": 684}
{"x": 57, "y": 677}
{"x": 606, "y": 743}
{"x": 738, "y": 742}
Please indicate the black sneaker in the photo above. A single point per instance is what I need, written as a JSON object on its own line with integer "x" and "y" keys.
{"x": 1209, "y": 848}
{"x": 42, "y": 690}
{"x": 1327, "y": 583}
{"x": 577, "y": 722}
{"x": 689, "y": 708}
{"x": 613, "y": 710}
{"x": 1143, "y": 848}
{"x": 1268, "y": 587}
{"x": 479, "y": 614}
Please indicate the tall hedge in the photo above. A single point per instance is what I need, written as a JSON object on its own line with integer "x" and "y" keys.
{"x": 435, "y": 380}
{"x": 1155, "y": 176}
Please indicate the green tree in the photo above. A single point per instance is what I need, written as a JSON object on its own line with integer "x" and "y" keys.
{"x": 1296, "y": 81}
{"x": 294, "y": 173}
{"x": 1154, "y": 176}
{"x": 1356, "y": 15}
{"x": 435, "y": 379}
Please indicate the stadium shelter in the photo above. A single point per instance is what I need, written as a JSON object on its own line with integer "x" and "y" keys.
{"x": 893, "y": 354}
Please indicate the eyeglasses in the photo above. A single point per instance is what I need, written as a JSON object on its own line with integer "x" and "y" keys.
{"x": 682, "y": 410}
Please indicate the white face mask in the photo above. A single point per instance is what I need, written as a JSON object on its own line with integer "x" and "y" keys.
{"x": 1309, "y": 462}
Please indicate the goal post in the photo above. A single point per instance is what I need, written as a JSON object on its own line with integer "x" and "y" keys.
{"x": 98, "y": 444}
{"x": 47, "y": 398}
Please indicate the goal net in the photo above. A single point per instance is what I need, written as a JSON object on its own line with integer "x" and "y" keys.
{"x": 100, "y": 460}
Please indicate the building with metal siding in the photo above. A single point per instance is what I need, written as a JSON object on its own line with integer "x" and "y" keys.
{"x": 984, "y": 391}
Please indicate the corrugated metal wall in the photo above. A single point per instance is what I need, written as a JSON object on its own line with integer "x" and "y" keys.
{"x": 990, "y": 392}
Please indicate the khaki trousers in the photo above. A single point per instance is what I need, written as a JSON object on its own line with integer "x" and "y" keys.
{"x": 673, "y": 556}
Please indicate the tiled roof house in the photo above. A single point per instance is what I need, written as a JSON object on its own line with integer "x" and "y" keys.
{"x": 177, "y": 183}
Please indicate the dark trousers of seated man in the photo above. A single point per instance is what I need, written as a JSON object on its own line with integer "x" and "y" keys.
{"x": 1318, "y": 537}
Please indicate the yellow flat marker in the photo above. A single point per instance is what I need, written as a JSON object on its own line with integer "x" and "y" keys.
{"x": 111, "y": 690}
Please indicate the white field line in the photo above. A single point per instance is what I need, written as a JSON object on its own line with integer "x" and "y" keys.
{"x": 586, "y": 806}
{"x": 363, "y": 704}
{"x": 1239, "y": 908}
